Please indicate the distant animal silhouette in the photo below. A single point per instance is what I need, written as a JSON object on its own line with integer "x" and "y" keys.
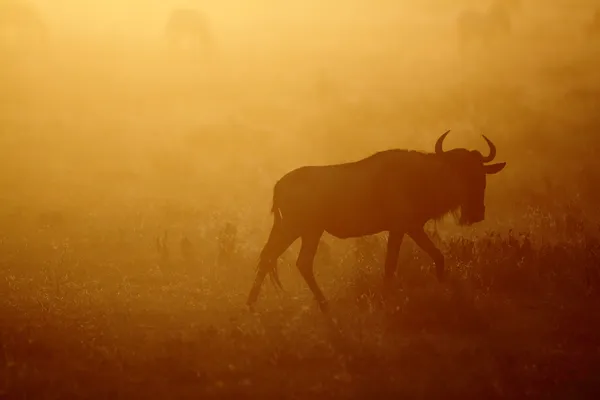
{"x": 483, "y": 28}
{"x": 21, "y": 27}
{"x": 187, "y": 32}
{"x": 396, "y": 191}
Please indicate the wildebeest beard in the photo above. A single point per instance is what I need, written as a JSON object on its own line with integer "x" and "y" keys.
{"x": 463, "y": 217}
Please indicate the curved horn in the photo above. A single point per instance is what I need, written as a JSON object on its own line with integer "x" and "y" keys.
{"x": 492, "y": 154}
{"x": 439, "y": 144}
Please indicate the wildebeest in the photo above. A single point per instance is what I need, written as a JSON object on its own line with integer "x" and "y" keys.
{"x": 475, "y": 26}
{"x": 187, "y": 32}
{"x": 395, "y": 190}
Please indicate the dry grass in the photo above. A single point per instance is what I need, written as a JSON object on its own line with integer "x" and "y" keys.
{"x": 513, "y": 321}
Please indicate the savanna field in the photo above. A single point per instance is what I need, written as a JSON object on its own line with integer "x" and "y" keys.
{"x": 136, "y": 187}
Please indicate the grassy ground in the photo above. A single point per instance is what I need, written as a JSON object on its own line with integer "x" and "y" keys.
{"x": 512, "y": 322}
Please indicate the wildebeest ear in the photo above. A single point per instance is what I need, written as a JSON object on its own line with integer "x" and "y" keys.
{"x": 494, "y": 168}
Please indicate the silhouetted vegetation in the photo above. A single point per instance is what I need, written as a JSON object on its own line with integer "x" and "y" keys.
{"x": 106, "y": 318}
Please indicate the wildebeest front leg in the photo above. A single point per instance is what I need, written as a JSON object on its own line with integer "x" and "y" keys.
{"x": 310, "y": 244}
{"x": 391, "y": 258}
{"x": 425, "y": 243}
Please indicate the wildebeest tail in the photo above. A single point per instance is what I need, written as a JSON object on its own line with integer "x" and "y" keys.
{"x": 273, "y": 271}
{"x": 274, "y": 207}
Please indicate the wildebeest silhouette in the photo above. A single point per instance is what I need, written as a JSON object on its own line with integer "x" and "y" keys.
{"x": 395, "y": 190}
{"x": 484, "y": 27}
{"x": 21, "y": 27}
{"x": 187, "y": 32}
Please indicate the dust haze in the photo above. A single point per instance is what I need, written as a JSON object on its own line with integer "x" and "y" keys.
{"x": 139, "y": 147}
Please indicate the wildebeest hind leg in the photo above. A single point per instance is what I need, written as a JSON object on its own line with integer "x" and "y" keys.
{"x": 391, "y": 259}
{"x": 310, "y": 244}
{"x": 279, "y": 240}
{"x": 425, "y": 243}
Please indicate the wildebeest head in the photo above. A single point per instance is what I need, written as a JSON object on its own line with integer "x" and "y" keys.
{"x": 470, "y": 169}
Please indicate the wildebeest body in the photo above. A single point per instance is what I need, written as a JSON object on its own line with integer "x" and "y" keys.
{"x": 362, "y": 198}
{"x": 396, "y": 191}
